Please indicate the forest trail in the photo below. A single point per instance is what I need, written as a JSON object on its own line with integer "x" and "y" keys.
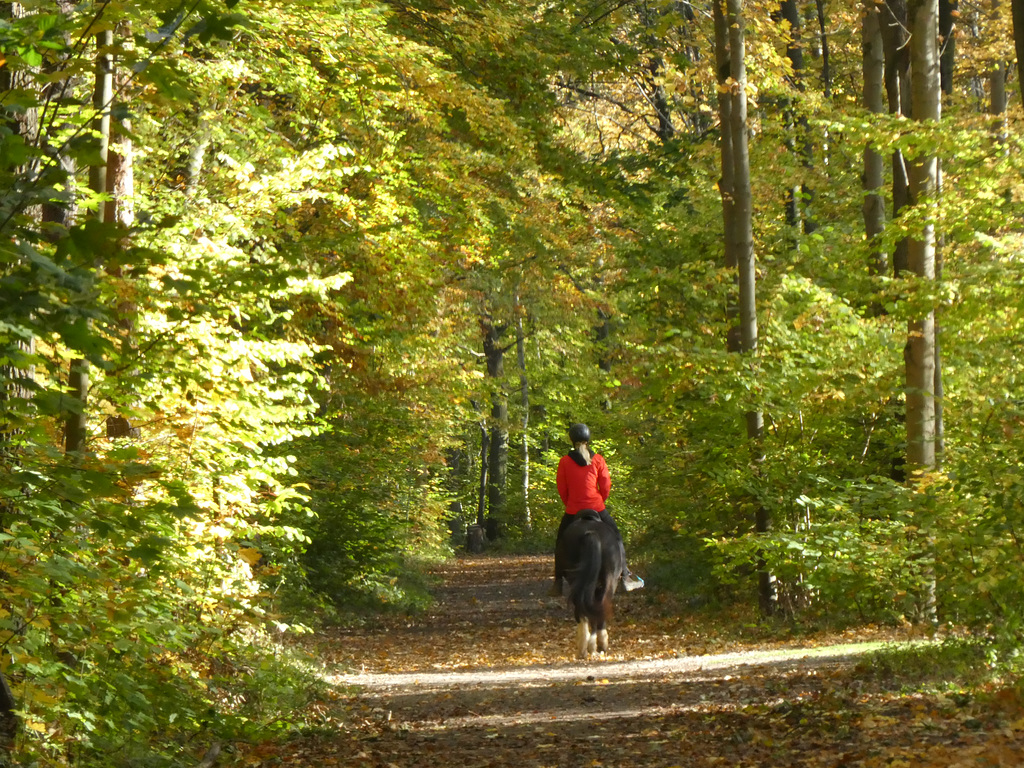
{"x": 487, "y": 677}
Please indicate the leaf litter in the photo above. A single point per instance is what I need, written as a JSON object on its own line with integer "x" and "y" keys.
{"x": 487, "y": 677}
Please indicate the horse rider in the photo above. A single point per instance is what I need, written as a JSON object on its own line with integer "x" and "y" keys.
{"x": 584, "y": 484}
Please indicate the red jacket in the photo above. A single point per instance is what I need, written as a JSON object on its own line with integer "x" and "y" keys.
{"x": 584, "y": 487}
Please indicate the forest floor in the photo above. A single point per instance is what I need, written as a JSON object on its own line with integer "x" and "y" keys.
{"x": 487, "y": 677}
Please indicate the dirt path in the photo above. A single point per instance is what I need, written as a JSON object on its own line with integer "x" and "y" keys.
{"x": 487, "y": 678}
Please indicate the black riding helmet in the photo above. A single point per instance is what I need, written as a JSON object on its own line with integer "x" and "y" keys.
{"x": 579, "y": 433}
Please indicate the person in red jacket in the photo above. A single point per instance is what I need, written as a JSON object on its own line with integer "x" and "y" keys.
{"x": 584, "y": 482}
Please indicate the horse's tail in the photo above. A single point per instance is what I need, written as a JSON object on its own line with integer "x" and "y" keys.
{"x": 588, "y": 598}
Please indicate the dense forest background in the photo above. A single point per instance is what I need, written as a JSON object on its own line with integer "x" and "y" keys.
{"x": 295, "y": 291}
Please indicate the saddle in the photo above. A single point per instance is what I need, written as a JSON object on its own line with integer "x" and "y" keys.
{"x": 588, "y": 514}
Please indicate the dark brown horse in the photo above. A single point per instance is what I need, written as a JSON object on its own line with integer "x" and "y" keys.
{"x": 593, "y": 561}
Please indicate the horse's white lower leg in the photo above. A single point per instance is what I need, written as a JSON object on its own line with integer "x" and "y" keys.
{"x": 582, "y": 638}
{"x": 602, "y": 640}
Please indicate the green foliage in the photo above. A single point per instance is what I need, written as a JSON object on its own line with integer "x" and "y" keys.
{"x": 136, "y": 570}
{"x": 332, "y": 202}
{"x": 930, "y": 666}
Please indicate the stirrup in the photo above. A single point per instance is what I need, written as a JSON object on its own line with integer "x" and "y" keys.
{"x": 631, "y": 581}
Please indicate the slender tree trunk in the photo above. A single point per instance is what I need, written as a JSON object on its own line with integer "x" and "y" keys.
{"x": 742, "y": 239}
{"x": 17, "y": 382}
{"x": 666, "y": 130}
{"x": 497, "y": 497}
{"x": 481, "y": 505}
{"x": 602, "y": 335}
{"x": 873, "y": 63}
{"x": 1017, "y": 11}
{"x": 790, "y": 12}
{"x": 742, "y": 198}
{"x": 9, "y": 721}
{"x": 726, "y": 183}
{"x": 826, "y": 55}
{"x": 13, "y": 378}
{"x": 947, "y": 39}
{"x": 997, "y": 96}
{"x": 78, "y": 378}
{"x": 997, "y": 91}
{"x": 24, "y": 123}
{"x": 524, "y": 389}
{"x": 939, "y": 387}
{"x": 197, "y": 157}
{"x": 121, "y": 209}
{"x": 897, "y": 87}
{"x": 923, "y": 16}
{"x": 799, "y": 194}
{"x": 56, "y": 95}
{"x": 923, "y": 188}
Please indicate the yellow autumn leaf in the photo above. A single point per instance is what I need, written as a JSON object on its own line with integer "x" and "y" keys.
{"x": 251, "y": 556}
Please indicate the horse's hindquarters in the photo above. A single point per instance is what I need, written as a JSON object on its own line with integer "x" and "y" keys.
{"x": 593, "y": 563}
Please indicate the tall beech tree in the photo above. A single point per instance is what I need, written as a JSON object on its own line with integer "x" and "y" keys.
{"x": 923, "y": 178}
{"x": 922, "y": 354}
{"x": 730, "y": 24}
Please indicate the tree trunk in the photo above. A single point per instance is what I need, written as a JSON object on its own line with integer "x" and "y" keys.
{"x": 524, "y": 389}
{"x": 742, "y": 197}
{"x": 16, "y": 382}
{"x": 742, "y": 239}
{"x": 24, "y": 125}
{"x": 795, "y": 53}
{"x": 602, "y": 337}
{"x": 947, "y": 40}
{"x": 78, "y": 379}
{"x": 197, "y": 157}
{"x": 799, "y": 194}
{"x": 57, "y": 93}
{"x": 923, "y": 175}
{"x": 897, "y": 87}
{"x": 997, "y": 92}
{"x": 873, "y": 64}
{"x": 1017, "y": 10}
{"x": 9, "y": 721}
{"x": 121, "y": 209}
{"x": 497, "y": 497}
{"x": 727, "y": 181}
{"x": 481, "y": 505}
{"x": 666, "y": 130}
{"x": 826, "y": 55}
{"x": 921, "y": 349}
{"x": 997, "y": 95}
